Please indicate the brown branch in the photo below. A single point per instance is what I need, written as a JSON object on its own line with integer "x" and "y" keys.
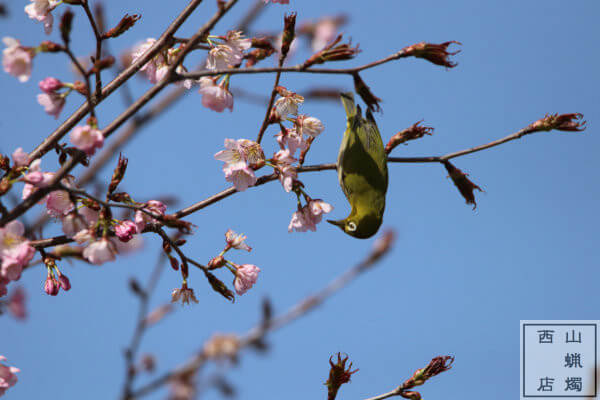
{"x": 140, "y": 327}
{"x": 297, "y": 69}
{"x": 55, "y": 241}
{"x": 48, "y": 143}
{"x": 98, "y": 36}
{"x": 381, "y": 247}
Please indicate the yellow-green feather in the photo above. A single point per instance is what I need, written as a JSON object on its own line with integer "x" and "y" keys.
{"x": 362, "y": 169}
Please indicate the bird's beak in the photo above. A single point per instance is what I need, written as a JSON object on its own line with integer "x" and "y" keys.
{"x": 339, "y": 223}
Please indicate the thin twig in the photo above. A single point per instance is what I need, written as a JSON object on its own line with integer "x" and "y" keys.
{"x": 301, "y": 308}
{"x": 49, "y": 142}
{"x": 98, "y": 36}
{"x": 140, "y": 327}
{"x": 83, "y": 72}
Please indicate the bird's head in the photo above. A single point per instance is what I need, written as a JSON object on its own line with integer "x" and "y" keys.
{"x": 361, "y": 227}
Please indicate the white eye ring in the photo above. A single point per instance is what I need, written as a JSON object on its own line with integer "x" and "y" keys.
{"x": 351, "y": 226}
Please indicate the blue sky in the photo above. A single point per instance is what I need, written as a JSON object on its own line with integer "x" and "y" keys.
{"x": 457, "y": 282}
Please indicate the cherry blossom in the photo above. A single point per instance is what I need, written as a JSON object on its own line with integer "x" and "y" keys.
{"x": 100, "y": 251}
{"x": 141, "y": 218}
{"x": 87, "y": 138}
{"x": 58, "y": 203}
{"x": 286, "y": 172}
{"x": 216, "y": 97}
{"x": 16, "y": 60}
{"x": 224, "y": 56}
{"x": 51, "y": 285}
{"x": 245, "y": 277}
{"x": 307, "y": 217}
{"x": 288, "y": 104}
{"x": 20, "y": 158}
{"x": 292, "y": 139}
{"x": 325, "y": 32}
{"x": 125, "y": 230}
{"x": 53, "y": 103}
{"x": 15, "y": 250}
{"x": 8, "y": 377}
{"x": 16, "y": 303}
{"x": 240, "y": 175}
{"x": 236, "y": 241}
{"x": 240, "y": 157}
{"x": 310, "y": 126}
{"x": 40, "y": 10}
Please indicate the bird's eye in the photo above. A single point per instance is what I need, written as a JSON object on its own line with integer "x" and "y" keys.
{"x": 351, "y": 226}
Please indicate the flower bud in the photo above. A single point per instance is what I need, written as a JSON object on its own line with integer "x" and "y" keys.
{"x": 64, "y": 282}
{"x": 51, "y": 286}
{"x": 125, "y": 230}
{"x": 50, "y": 47}
{"x": 103, "y": 63}
{"x": 50, "y": 85}
{"x": 216, "y": 262}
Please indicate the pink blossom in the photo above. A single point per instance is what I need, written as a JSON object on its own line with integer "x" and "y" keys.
{"x": 224, "y": 56}
{"x": 237, "y": 241}
{"x": 242, "y": 150}
{"x": 240, "y": 174}
{"x": 72, "y": 223}
{"x": 317, "y": 208}
{"x": 83, "y": 236}
{"x": 20, "y": 158}
{"x": 53, "y": 103}
{"x": 286, "y": 172}
{"x": 310, "y": 126}
{"x": 8, "y": 377}
{"x": 151, "y": 67}
{"x": 236, "y": 40}
{"x": 16, "y": 303}
{"x": 215, "y": 97}
{"x": 87, "y": 139}
{"x": 288, "y": 105}
{"x": 141, "y": 218}
{"x": 136, "y": 243}
{"x": 125, "y": 230}
{"x": 51, "y": 286}
{"x": 325, "y": 32}
{"x": 40, "y": 10}
{"x": 292, "y": 139}
{"x": 307, "y": 218}
{"x": 58, "y": 203}
{"x": 15, "y": 250}
{"x": 245, "y": 277}
{"x": 100, "y": 251}
{"x": 50, "y": 85}
{"x": 16, "y": 60}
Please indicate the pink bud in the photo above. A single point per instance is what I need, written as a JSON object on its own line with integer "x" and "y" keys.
{"x": 125, "y": 230}
{"x": 51, "y": 286}
{"x": 64, "y": 282}
{"x": 50, "y": 85}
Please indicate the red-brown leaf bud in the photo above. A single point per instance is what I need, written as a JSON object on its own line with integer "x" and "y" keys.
{"x": 465, "y": 186}
{"x": 289, "y": 33}
{"x": 124, "y": 24}
{"x": 66, "y": 23}
{"x": 435, "y": 53}
{"x": 50, "y": 47}
{"x": 118, "y": 174}
{"x": 412, "y": 133}
{"x": 338, "y": 375}
{"x": 333, "y": 52}
{"x": 561, "y": 122}
{"x": 365, "y": 93}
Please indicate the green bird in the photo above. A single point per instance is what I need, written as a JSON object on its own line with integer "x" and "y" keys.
{"x": 362, "y": 172}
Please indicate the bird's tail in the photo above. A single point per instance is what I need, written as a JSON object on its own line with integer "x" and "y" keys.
{"x": 349, "y": 105}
